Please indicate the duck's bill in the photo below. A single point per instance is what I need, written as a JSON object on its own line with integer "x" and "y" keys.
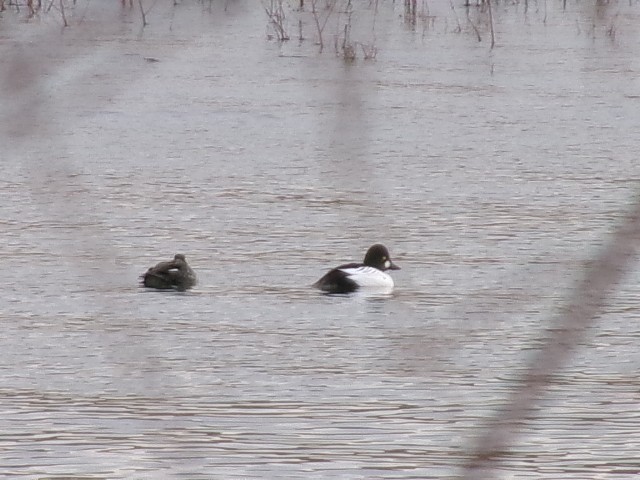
{"x": 393, "y": 266}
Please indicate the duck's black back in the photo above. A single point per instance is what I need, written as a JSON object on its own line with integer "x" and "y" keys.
{"x": 337, "y": 280}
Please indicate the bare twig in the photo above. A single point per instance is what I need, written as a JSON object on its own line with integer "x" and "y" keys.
{"x": 410, "y": 11}
{"x": 475, "y": 29}
{"x": 369, "y": 51}
{"x": 588, "y": 301}
{"x": 275, "y": 12}
{"x": 493, "y": 35}
{"x": 459, "y": 27}
{"x": 64, "y": 17}
{"x": 317, "y": 18}
{"x": 348, "y": 49}
{"x": 144, "y": 16}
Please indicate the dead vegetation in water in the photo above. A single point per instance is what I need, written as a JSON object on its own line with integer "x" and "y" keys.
{"x": 350, "y": 25}
{"x": 330, "y": 21}
{"x": 275, "y": 10}
{"x": 33, "y": 8}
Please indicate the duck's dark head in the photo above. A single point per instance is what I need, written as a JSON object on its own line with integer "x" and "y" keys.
{"x": 378, "y": 257}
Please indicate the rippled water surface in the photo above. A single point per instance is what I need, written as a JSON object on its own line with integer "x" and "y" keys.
{"x": 493, "y": 176}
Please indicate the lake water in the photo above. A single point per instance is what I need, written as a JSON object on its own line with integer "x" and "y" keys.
{"x": 493, "y": 176}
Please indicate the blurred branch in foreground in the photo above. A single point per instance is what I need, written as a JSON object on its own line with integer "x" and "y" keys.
{"x": 587, "y": 303}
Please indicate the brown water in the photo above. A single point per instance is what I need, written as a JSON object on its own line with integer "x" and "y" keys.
{"x": 493, "y": 176}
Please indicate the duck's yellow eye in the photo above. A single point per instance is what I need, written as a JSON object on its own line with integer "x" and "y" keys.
{"x": 384, "y": 258}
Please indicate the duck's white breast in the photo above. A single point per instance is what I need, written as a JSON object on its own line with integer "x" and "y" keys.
{"x": 369, "y": 277}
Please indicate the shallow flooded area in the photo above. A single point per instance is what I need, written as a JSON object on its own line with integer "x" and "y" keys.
{"x": 494, "y": 176}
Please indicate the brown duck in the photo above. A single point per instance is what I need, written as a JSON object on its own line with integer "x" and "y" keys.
{"x": 175, "y": 274}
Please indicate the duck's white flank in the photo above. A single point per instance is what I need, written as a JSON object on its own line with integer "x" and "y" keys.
{"x": 366, "y": 276}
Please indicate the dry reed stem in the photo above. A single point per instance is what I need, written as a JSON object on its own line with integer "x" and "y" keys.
{"x": 493, "y": 34}
{"x": 144, "y": 16}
